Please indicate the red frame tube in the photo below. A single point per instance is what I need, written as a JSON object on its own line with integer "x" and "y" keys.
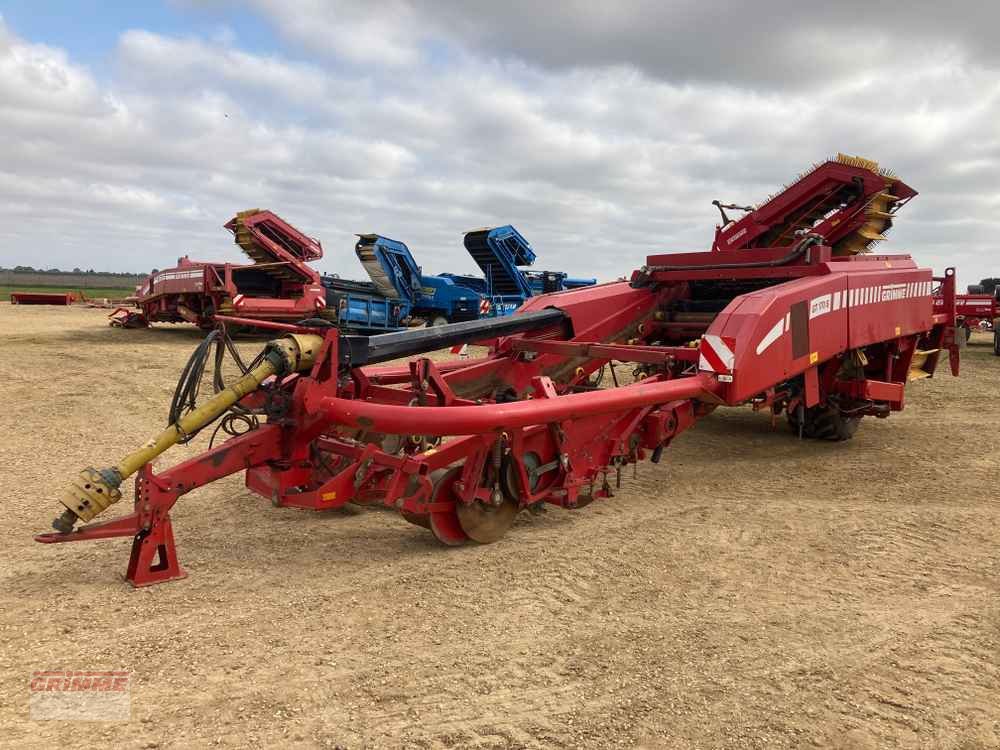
{"x": 470, "y": 420}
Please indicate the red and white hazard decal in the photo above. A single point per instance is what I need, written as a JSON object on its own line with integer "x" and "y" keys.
{"x": 237, "y": 300}
{"x": 462, "y": 349}
{"x": 717, "y": 354}
{"x": 320, "y": 303}
{"x": 484, "y": 307}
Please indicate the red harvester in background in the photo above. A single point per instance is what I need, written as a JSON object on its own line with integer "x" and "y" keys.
{"x": 279, "y": 285}
{"x": 785, "y": 315}
{"x": 981, "y": 312}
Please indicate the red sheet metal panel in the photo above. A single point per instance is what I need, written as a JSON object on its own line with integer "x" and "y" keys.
{"x": 592, "y": 305}
{"x": 977, "y": 306}
{"x": 185, "y": 279}
{"x": 42, "y": 298}
{"x": 884, "y": 306}
{"x": 781, "y": 331}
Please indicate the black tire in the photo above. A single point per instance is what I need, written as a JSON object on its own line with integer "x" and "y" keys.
{"x": 996, "y": 340}
{"x": 825, "y": 422}
{"x": 968, "y": 334}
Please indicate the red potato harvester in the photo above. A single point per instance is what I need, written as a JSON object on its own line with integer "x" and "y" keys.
{"x": 279, "y": 285}
{"x": 980, "y": 312}
{"x": 788, "y": 312}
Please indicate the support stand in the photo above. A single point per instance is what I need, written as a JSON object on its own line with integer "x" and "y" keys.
{"x": 154, "y": 556}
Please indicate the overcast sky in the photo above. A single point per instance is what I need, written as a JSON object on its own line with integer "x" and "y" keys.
{"x": 130, "y": 132}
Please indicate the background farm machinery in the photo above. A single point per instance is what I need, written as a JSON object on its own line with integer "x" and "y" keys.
{"x": 981, "y": 312}
{"x": 399, "y": 292}
{"x": 281, "y": 285}
{"x": 61, "y": 299}
{"x": 784, "y": 314}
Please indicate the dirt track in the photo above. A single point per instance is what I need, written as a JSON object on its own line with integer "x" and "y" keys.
{"x": 750, "y": 591}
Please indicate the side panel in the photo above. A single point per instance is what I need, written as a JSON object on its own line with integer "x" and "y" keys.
{"x": 442, "y": 296}
{"x": 888, "y": 305}
{"x": 590, "y": 305}
{"x": 977, "y": 306}
{"x": 782, "y": 331}
{"x": 175, "y": 281}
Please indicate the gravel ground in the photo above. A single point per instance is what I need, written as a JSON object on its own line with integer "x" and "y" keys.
{"x": 752, "y": 590}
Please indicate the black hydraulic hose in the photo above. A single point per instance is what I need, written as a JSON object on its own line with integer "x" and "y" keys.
{"x": 804, "y": 244}
{"x": 186, "y": 393}
{"x": 185, "y": 397}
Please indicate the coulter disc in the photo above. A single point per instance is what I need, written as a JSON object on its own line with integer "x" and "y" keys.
{"x": 485, "y": 523}
{"x": 417, "y": 519}
{"x": 444, "y": 524}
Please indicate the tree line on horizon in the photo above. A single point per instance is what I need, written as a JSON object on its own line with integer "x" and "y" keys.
{"x": 89, "y": 271}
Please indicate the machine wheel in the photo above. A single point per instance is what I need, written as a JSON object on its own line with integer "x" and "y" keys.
{"x": 445, "y": 524}
{"x": 825, "y": 422}
{"x": 996, "y": 340}
{"x": 968, "y": 333}
{"x": 437, "y": 320}
{"x": 478, "y": 521}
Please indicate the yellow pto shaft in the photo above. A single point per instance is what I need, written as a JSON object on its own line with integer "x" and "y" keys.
{"x": 95, "y": 489}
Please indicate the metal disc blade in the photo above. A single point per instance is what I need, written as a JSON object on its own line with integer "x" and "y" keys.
{"x": 447, "y": 529}
{"x": 444, "y": 523}
{"x": 486, "y": 523}
{"x": 417, "y": 519}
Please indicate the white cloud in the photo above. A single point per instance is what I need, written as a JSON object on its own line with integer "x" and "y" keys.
{"x": 387, "y": 33}
{"x": 404, "y": 119}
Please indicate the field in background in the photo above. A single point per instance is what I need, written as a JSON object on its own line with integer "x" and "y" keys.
{"x": 69, "y": 279}
{"x": 91, "y": 292}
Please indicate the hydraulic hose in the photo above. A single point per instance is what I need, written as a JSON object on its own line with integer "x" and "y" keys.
{"x": 796, "y": 252}
{"x": 95, "y": 489}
